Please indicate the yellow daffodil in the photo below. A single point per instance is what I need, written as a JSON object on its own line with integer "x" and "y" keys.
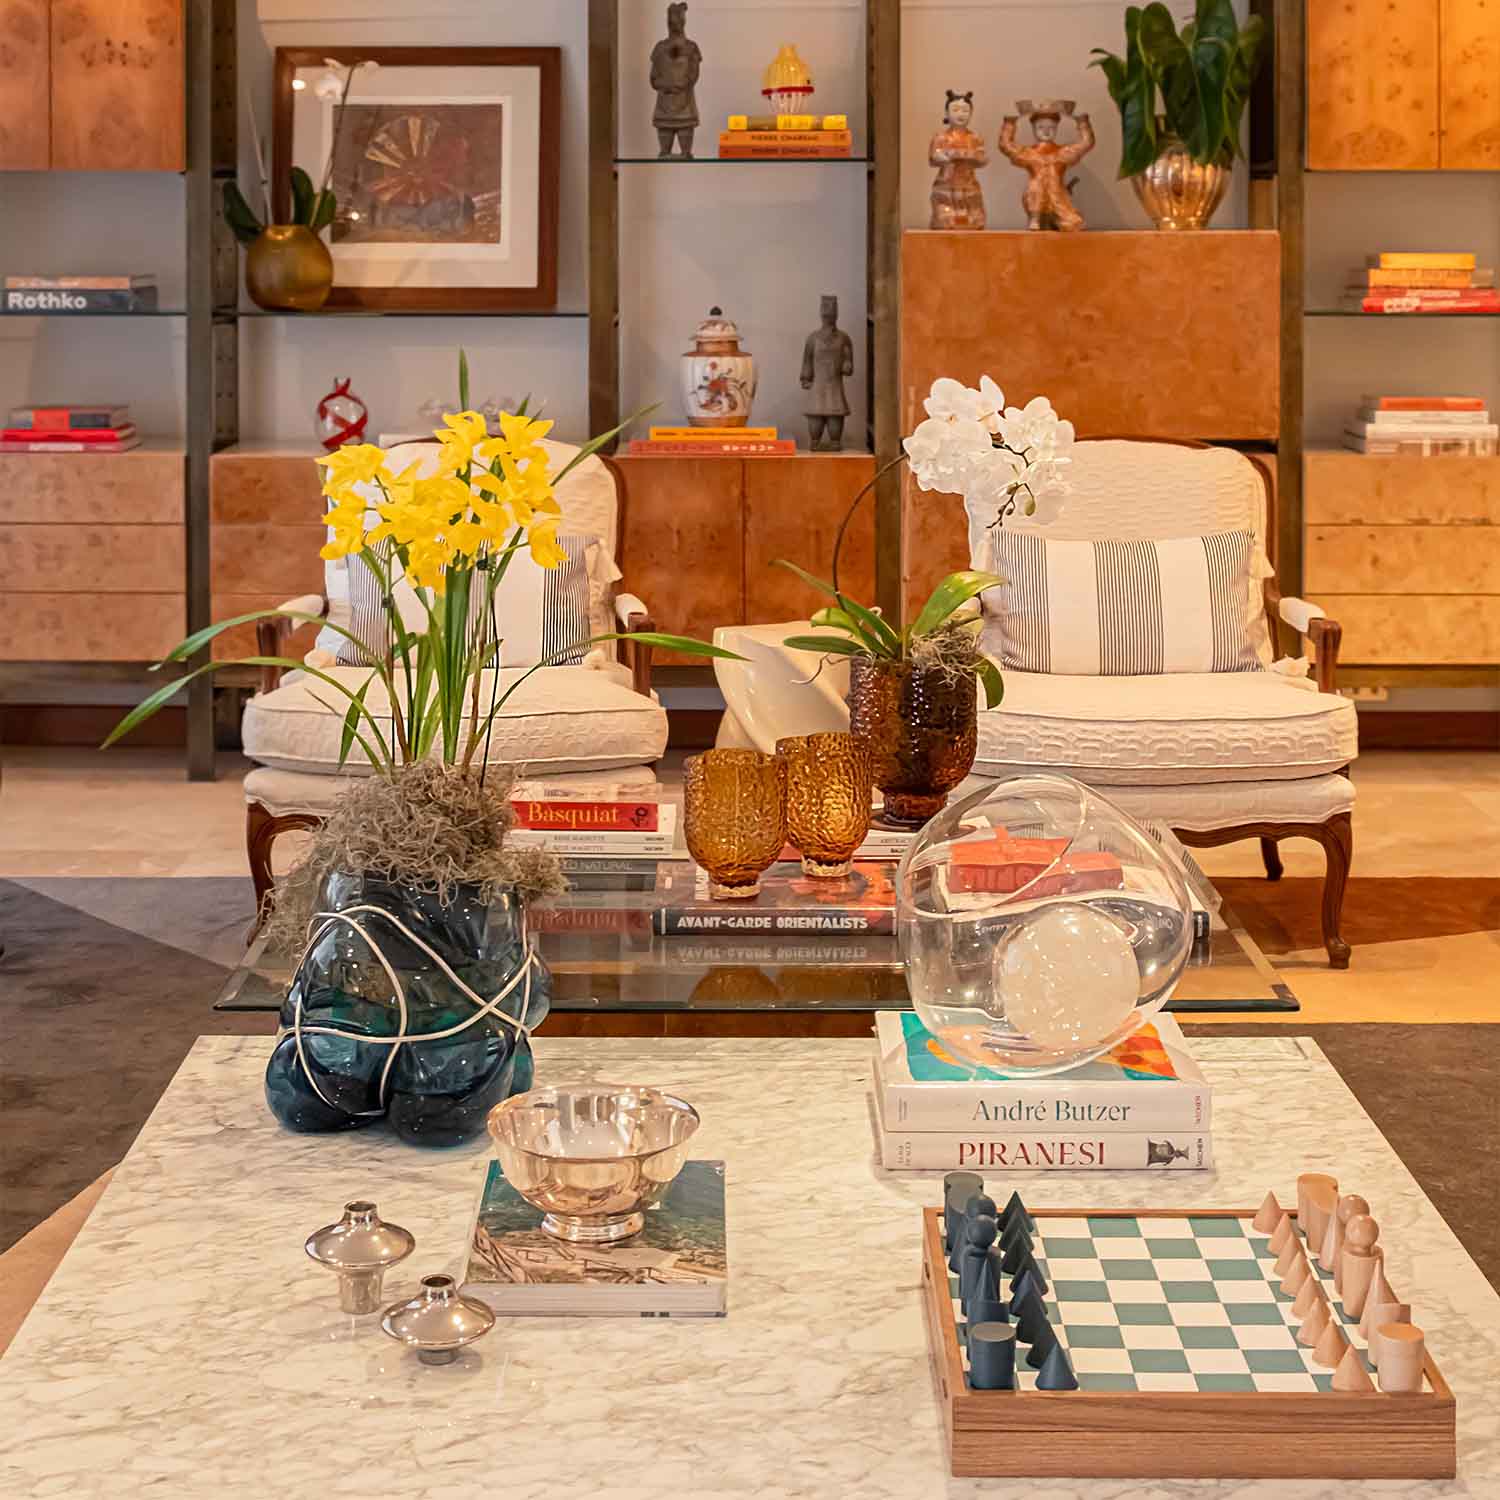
{"x": 347, "y": 522}
{"x": 458, "y": 436}
{"x": 542, "y": 540}
{"x": 359, "y": 463}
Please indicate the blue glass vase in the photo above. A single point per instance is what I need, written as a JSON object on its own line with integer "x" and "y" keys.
{"x": 386, "y": 1015}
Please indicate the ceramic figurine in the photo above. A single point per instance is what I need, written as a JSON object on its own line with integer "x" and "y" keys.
{"x": 718, "y": 377}
{"x": 1047, "y": 199}
{"x": 341, "y": 416}
{"x": 675, "y": 65}
{"x": 957, "y": 199}
{"x": 827, "y": 359}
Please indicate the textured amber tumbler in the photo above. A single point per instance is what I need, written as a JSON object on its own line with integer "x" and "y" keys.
{"x": 734, "y": 817}
{"x": 827, "y": 799}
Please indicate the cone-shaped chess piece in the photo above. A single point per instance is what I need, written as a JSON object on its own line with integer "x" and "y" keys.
{"x": 1387, "y": 1312}
{"x": 1285, "y": 1230}
{"x": 977, "y": 1203}
{"x": 1267, "y": 1216}
{"x": 1015, "y": 1209}
{"x": 1034, "y": 1272}
{"x": 1015, "y": 1230}
{"x": 1297, "y": 1273}
{"x": 1031, "y": 1319}
{"x": 1017, "y": 1257}
{"x": 1379, "y": 1293}
{"x": 1310, "y": 1292}
{"x": 1349, "y": 1205}
{"x": 1025, "y": 1285}
{"x": 1328, "y": 1252}
{"x": 1313, "y": 1325}
{"x": 1329, "y": 1349}
{"x": 1359, "y": 1261}
{"x": 1290, "y": 1253}
{"x": 1402, "y": 1354}
{"x": 1351, "y": 1374}
{"x": 1305, "y": 1182}
{"x": 1041, "y": 1346}
{"x": 1056, "y": 1373}
{"x": 992, "y": 1357}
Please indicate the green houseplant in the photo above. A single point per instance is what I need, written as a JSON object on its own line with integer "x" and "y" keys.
{"x": 1181, "y": 96}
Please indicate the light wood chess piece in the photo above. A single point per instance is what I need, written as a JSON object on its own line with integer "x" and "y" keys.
{"x": 1268, "y": 1216}
{"x": 1351, "y": 1374}
{"x": 1315, "y": 1324}
{"x": 1403, "y": 1352}
{"x": 1322, "y": 1202}
{"x": 1359, "y": 1260}
{"x": 1333, "y": 1242}
{"x": 1331, "y": 1347}
{"x": 1297, "y": 1273}
{"x": 1284, "y": 1231}
{"x": 1379, "y": 1293}
{"x": 1386, "y": 1312}
{"x": 1311, "y": 1291}
{"x": 1291, "y": 1252}
{"x": 1305, "y": 1182}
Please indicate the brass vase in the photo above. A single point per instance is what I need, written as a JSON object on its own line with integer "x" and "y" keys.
{"x": 288, "y": 269}
{"x": 1178, "y": 192}
{"x": 922, "y": 727}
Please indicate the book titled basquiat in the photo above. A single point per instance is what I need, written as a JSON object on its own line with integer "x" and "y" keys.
{"x": 677, "y": 1266}
{"x": 863, "y": 903}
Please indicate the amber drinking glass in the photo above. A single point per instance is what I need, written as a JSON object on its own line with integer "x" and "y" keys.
{"x": 827, "y": 799}
{"x": 734, "y": 817}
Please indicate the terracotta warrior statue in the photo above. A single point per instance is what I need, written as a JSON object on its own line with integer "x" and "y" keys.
{"x": 957, "y": 199}
{"x": 827, "y": 358}
{"x": 675, "y": 65}
{"x": 1047, "y": 201}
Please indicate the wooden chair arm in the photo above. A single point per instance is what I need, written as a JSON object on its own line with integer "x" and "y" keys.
{"x": 1325, "y": 634}
{"x": 638, "y": 653}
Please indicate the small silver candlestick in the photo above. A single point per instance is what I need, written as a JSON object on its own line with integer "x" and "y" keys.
{"x": 360, "y": 1249}
{"x": 438, "y": 1321}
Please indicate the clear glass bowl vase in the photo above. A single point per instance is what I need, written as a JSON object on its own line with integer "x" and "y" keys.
{"x": 1039, "y": 924}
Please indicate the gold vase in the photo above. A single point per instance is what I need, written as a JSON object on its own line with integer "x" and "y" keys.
{"x": 734, "y": 817}
{"x": 922, "y": 729}
{"x": 1178, "y": 192}
{"x": 288, "y": 268}
{"x": 827, "y": 799}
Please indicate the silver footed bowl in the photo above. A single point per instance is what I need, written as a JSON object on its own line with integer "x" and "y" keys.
{"x": 592, "y": 1159}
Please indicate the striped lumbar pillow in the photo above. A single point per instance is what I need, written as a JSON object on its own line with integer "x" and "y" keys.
{"x": 1120, "y": 609}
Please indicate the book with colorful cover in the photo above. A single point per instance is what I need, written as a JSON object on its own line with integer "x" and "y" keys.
{"x": 1150, "y": 1081}
{"x": 787, "y": 122}
{"x": 1424, "y": 260}
{"x": 1424, "y": 403}
{"x": 124, "y": 445}
{"x": 721, "y": 448}
{"x": 785, "y": 151}
{"x": 564, "y": 813}
{"x": 1469, "y": 302}
{"x": 677, "y": 1266}
{"x": 87, "y": 435}
{"x": 1441, "y": 417}
{"x": 68, "y": 418}
{"x": 863, "y": 903}
{"x": 1429, "y": 277}
{"x": 786, "y": 138}
{"x": 711, "y": 434}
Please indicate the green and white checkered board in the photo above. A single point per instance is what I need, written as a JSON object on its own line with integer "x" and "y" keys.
{"x": 1171, "y": 1304}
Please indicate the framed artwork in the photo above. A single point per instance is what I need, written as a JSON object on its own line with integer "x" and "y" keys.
{"x": 445, "y": 168}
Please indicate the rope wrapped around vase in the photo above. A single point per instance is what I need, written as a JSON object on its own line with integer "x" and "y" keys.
{"x": 482, "y": 1008}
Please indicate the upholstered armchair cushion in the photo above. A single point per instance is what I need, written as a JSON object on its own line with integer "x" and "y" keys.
{"x": 1174, "y": 729}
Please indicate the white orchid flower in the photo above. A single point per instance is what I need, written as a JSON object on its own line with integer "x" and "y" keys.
{"x": 329, "y": 86}
{"x": 950, "y": 401}
{"x": 943, "y": 452}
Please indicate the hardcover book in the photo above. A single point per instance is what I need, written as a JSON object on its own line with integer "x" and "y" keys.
{"x": 863, "y": 903}
{"x": 80, "y": 283}
{"x": 1424, "y": 403}
{"x": 1150, "y": 1081}
{"x": 71, "y": 418}
{"x": 723, "y": 448}
{"x": 1469, "y": 302}
{"x": 64, "y": 300}
{"x": 64, "y": 434}
{"x": 124, "y": 445}
{"x": 676, "y": 1267}
{"x": 1376, "y": 276}
{"x": 1432, "y": 416}
{"x": 599, "y": 838}
{"x": 1424, "y": 260}
{"x": 564, "y": 813}
{"x": 710, "y": 434}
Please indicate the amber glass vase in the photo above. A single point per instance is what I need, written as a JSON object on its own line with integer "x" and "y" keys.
{"x": 827, "y": 799}
{"x": 288, "y": 269}
{"x": 734, "y": 816}
{"x": 922, "y": 728}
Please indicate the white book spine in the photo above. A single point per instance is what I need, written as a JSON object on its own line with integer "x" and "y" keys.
{"x": 631, "y": 845}
{"x": 1003, "y": 1109}
{"x": 1046, "y": 1151}
{"x": 1427, "y": 417}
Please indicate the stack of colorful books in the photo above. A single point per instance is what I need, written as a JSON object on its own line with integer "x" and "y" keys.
{"x": 1423, "y": 426}
{"x": 80, "y": 294}
{"x": 799, "y": 137}
{"x": 712, "y": 442}
{"x": 69, "y": 429}
{"x": 611, "y": 824}
{"x": 1420, "y": 281}
{"x": 1144, "y": 1104}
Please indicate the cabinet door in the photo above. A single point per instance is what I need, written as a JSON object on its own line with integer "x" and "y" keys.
{"x": 24, "y": 79}
{"x": 1470, "y": 102}
{"x": 117, "y": 85}
{"x": 1372, "y": 84}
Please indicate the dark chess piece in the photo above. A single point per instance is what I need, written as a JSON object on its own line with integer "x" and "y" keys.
{"x": 1026, "y": 1283}
{"x": 827, "y": 359}
{"x": 976, "y": 1270}
{"x": 992, "y": 1357}
{"x": 1031, "y": 1318}
{"x": 1056, "y": 1373}
{"x": 986, "y": 1310}
{"x": 979, "y": 1203}
{"x": 1041, "y": 1346}
{"x": 1010, "y": 1233}
{"x": 675, "y": 65}
{"x": 1162, "y": 1153}
{"x": 958, "y": 1188}
{"x": 1032, "y": 1274}
{"x": 1016, "y": 1257}
{"x": 1014, "y": 1209}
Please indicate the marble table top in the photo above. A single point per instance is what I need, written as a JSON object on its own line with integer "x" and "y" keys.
{"x": 187, "y": 1347}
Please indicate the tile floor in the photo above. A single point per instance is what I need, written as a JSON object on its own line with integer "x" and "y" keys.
{"x": 77, "y": 812}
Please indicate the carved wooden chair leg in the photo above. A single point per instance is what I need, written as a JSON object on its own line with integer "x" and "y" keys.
{"x": 262, "y": 828}
{"x": 1271, "y": 854}
{"x": 1337, "y": 839}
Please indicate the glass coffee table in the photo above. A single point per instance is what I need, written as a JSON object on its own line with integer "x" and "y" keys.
{"x": 605, "y": 959}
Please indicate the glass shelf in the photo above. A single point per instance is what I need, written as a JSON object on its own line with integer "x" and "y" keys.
{"x": 739, "y": 161}
{"x": 402, "y": 312}
{"x": 1373, "y": 317}
{"x": 98, "y": 312}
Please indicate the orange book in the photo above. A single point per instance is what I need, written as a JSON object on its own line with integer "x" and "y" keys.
{"x": 1003, "y": 865}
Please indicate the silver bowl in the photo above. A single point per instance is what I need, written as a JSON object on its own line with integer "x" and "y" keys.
{"x": 592, "y": 1158}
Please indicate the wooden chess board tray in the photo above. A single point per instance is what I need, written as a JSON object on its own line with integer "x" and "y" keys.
{"x": 1187, "y": 1360}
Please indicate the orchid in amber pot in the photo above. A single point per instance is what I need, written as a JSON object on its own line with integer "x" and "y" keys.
{"x": 911, "y": 688}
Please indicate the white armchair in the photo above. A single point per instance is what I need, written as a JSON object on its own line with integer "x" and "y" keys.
{"x": 1220, "y": 756}
{"x": 595, "y": 724}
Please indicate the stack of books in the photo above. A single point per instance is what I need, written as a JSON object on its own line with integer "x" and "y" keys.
{"x": 69, "y": 429}
{"x": 78, "y": 294}
{"x": 711, "y": 442}
{"x": 790, "y": 903}
{"x": 1423, "y": 426}
{"x": 804, "y": 137}
{"x": 1419, "y": 281}
{"x": 610, "y": 826}
{"x": 1144, "y": 1104}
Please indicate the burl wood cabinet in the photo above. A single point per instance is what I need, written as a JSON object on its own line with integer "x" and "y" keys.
{"x": 92, "y": 85}
{"x": 1403, "y": 85}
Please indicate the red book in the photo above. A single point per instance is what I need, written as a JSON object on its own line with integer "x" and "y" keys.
{"x": 1470, "y": 302}
{"x": 728, "y": 448}
{"x": 1003, "y": 865}
{"x": 1424, "y": 403}
{"x": 586, "y": 817}
{"x": 68, "y": 434}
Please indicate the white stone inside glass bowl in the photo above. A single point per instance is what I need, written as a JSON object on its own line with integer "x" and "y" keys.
{"x": 1068, "y": 976}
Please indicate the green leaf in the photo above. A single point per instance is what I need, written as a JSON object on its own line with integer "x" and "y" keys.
{"x": 824, "y": 645}
{"x": 1212, "y": 46}
{"x": 463, "y": 379}
{"x": 843, "y": 619}
{"x": 351, "y": 720}
{"x": 200, "y": 638}
{"x": 684, "y": 643}
{"x": 304, "y": 195}
{"x": 994, "y": 684}
{"x": 324, "y": 211}
{"x": 953, "y": 592}
{"x": 240, "y": 217}
{"x": 806, "y": 577}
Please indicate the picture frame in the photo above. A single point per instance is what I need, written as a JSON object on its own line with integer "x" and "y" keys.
{"x": 446, "y": 166}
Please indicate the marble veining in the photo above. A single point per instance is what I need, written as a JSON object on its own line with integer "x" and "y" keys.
{"x": 170, "y": 1357}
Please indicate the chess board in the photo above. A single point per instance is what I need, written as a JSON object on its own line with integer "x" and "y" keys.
{"x": 1188, "y": 1366}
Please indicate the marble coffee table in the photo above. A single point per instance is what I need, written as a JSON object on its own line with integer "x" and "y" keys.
{"x": 187, "y": 1348}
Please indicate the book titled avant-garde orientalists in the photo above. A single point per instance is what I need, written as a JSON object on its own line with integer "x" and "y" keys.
{"x": 1144, "y": 1103}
